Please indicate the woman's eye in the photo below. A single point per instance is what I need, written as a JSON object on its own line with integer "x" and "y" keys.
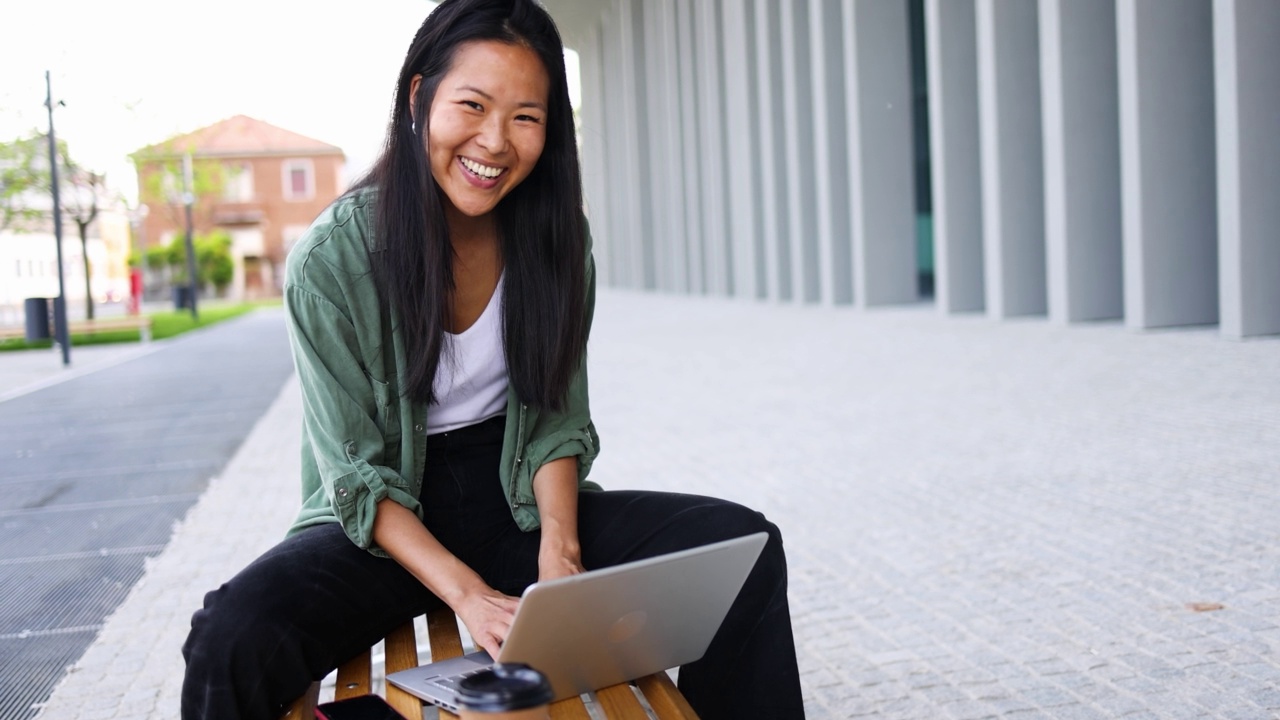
{"x": 529, "y": 118}
{"x": 473, "y": 104}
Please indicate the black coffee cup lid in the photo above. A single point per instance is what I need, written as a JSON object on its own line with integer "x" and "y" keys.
{"x": 505, "y": 686}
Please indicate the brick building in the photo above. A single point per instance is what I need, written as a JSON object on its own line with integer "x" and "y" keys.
{"x": 262, "y": 184}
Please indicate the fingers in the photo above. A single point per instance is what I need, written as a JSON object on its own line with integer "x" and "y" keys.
{"x": 490, "y": 644}
{"x": 488, "y": 615}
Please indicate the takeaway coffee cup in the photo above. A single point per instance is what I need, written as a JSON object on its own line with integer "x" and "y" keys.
{"x": 506, "y": 691}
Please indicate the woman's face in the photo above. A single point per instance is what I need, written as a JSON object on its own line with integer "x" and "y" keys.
{"x": 488, "y": 124}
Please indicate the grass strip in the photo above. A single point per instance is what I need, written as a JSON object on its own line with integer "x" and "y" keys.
{"x": 165, "y": 324}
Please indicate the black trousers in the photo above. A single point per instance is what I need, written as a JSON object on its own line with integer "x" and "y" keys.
{"x": 316, "y": 600}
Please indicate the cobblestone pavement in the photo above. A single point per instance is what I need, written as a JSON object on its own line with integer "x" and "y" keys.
{"x": 983, "y": 519}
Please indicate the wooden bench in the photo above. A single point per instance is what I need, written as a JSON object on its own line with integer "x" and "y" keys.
{"x": 141, "y": 323}
{"x": 619, "y": 702}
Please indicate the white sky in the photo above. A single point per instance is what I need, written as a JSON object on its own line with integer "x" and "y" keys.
{"x": 135, "y": 72}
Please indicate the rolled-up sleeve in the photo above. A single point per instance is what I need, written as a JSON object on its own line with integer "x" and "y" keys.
{"x": 348, "y": 417}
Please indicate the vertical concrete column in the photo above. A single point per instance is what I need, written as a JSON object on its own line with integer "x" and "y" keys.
{"x": 1012, "y": 165}
{"x": 645, "y": 106}
{"x": 1168, "y": 165}
{"x": 622, "y": 137}
{"x": 761, "y": 145}
{"x": 952, "y": 48}
{"x": 877, "y": 72}
{"x": 595, "y": 166}
{"x": 1247, "y": 61}
{"x": 617, "y": 234}
{"x": 695, "y": 234}
{"x": 742, "y": 156}
{"x": 665, "y": 175}
{"x": 771, "y": 140}
{"x": 797, "y": 98}
{"x": 830, "y": 130}
{"x": 710, "y": 148}
{"x": 1081, "y": 159}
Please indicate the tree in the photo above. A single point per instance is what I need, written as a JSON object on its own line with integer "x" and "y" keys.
{"x": 160, "y": 176}
{"x": 214, "y": 264}
{"x": 83, "y": 193}
{"x": 213, "y": 260}
{"x": 24, "y": 172}
{"x": 25, "y": 185}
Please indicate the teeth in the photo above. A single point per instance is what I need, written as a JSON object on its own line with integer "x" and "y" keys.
{"x": 483, "y": 171}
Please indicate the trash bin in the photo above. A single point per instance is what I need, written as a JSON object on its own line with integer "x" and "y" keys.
{"x": 36, "y": 311}
{"x": 181, "y": 297}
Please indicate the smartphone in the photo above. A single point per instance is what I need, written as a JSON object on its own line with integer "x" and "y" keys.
{"x": 363, "y": 707}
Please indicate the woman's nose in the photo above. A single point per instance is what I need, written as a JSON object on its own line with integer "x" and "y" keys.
{"x": 493, "y": 136}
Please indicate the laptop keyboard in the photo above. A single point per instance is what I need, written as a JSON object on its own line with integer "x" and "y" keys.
{"x": 453, "y": 681}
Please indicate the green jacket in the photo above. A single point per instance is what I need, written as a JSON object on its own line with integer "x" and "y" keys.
{"x": 362, "y": 441}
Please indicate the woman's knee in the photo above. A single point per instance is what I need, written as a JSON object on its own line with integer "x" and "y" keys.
{"x": 737, "y": 520}
{"x": 235, "y": 629}
{"x": 734, "y": 520}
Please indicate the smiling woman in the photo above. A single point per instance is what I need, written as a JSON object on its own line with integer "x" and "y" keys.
{"x": 439, "y": 314}
{"x": 487, "y": 125}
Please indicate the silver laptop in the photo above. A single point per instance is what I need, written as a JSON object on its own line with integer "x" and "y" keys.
{"x": 607, "y": 626}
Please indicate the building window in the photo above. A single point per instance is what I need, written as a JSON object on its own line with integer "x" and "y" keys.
{"x": 299, "y": 180}
{"x": 238, "y": 183}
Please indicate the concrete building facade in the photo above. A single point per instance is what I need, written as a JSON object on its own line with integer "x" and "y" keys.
{"x": 1079, "y": 160}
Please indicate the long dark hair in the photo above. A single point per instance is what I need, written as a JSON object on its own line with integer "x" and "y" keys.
{"x": 540, "y": 221}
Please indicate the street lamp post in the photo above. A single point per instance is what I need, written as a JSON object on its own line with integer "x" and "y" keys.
{"x": 188, "y": 199}
{"x": 60, "y": 302}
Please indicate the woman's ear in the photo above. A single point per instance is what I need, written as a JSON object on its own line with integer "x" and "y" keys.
{"x": 414, "y": 84}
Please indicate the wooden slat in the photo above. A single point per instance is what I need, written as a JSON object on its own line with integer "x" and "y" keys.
{"x": 665, "y": 699}
{"x": 620, "y": 703}
{"x": 569, "y": 709}
{"x": 402, "y": 654}
{"x": 353, "y": 678}
{"x": 442, "y": 631}
{"x": 304, "y": 708}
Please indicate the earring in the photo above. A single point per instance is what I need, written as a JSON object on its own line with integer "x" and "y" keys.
{"x": 413, "y": 126}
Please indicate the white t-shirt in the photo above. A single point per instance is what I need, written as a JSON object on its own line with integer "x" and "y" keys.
{"x": 471, "y": 379}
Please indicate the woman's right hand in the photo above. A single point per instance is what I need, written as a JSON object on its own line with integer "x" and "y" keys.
{"x": 487, "y": 614}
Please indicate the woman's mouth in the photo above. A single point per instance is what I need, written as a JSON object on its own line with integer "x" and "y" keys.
{"x": 480, "y": 170}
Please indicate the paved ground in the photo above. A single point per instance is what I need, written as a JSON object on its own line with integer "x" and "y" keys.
{"x": 99, "y": 465}
{"x": 982, "y": 519}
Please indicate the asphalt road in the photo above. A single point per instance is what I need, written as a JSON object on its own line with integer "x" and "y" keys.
{"x": 94, "y": 471}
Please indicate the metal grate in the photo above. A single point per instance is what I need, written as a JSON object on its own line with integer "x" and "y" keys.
{"x": 31, "y": 667}
{"x": 90, "y": 527}
{"x": 41, "y": 599}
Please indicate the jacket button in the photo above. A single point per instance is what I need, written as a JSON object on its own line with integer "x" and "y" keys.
{"x": 418, "y": 427}
{"x": 342, "y": 492}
